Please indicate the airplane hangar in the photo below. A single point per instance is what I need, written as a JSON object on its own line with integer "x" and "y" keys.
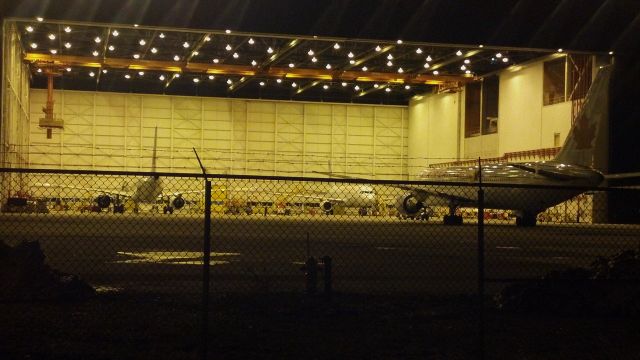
{"x": 279, "y": 103}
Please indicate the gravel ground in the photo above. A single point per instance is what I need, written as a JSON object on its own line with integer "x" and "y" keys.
{"x": 288, "y": 326}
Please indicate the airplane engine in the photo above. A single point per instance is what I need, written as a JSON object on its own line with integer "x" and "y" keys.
{"x": 327, "y": 207}
{"x": 408, "y": 205}
{"x": 178, "y": 202}
{"x": 103, "y": 201}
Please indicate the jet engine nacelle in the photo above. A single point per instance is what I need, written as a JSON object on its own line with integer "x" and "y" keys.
{"x": 327, "y": 207}
{"x": 178, "y": 202}
{"x": 103, "y": 201}
{"x": 408, "y": 205}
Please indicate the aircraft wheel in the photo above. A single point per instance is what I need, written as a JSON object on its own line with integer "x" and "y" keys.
{"x": 453, "y": 220}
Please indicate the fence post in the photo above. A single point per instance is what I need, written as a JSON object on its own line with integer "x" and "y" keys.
{"x": 481, "y": 280}
{"x": 205, "y": 268}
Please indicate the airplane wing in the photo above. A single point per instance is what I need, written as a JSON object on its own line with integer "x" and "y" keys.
{"x": 121, "y": 193}
{"x": 633, "y": 175}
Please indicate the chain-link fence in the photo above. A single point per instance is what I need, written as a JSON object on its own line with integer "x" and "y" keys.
{"x": 145, "y": 232}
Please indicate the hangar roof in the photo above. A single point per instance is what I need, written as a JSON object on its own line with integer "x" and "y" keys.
{"x": 380, "y": 53}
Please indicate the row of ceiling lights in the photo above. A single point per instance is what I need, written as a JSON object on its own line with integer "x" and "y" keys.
{"x": 196, "y": 80}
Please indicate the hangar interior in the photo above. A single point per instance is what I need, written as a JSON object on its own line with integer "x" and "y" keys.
{"x": 268, "y": 104}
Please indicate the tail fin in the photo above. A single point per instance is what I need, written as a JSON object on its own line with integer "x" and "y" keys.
{"x": 155, "y": 144}
{"x": 587, "y": 143}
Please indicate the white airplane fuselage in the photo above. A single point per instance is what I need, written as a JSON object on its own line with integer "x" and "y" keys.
{"x": 147, "y": 190}
{"x": 523, "y": 199}
{"x": 352, "y": 195}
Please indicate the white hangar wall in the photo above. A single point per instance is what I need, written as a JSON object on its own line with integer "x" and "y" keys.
{"x": 436, "y": 122}
{"x": 114, "y": 131}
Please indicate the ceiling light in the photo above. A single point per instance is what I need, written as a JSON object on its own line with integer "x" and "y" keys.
{"x": 399, "y": 41}
{"x": 39, "y": 70}
{"x": 185, "y": 44}
{"x": 211, "y": 77}
{"x": 142, "y": 42}
{"x": 40, "y": 19}
{"x": 115, "y": 33}
{"x": 154, "y": 50}
{"x": 390, "y": 57}
{"x": 389, "y": 63}
{"x": 216, "y": 60}
{"x": 251, "y": 41}
{"x": 313, "y": 59}
{"x": 278, "y": 81}
{"x": 480, "y": 46}
{"x": 161, "y": 77}
{"x": 53, "y": 51}
{"x": 136, "y": 56}
{"x": 466, "y": 61}
{"x": 310, "y": 52}
{"x": 436, "y": 72}
{"x": 499, "y": 55}
{"x": 293, "y": 84}
{"x": 97, "y": 39}
{"x": 196, "y": 80}
{"x": 344, "y": 84}
{"x": 207, "y": 38}
{"x": 325, "y": 86}
{"x": 141, "y": 73}
{"x": 328, "y": 66}
{"x": 161, "y": 36}
{"x": 356, "y": 88}
{"x": 407, "y": 87}
{"x": 261, "y": 83}
{"x": 228, "y": 47}
{"x": 418, "y": 51}
{"x": 560, "y": 50}
{"x": 235, "y": 55}
{"x": 376, "y": 86}
{"x": 229, "y": 81}
{"x": 468, "y": 72}
{"x": 459, "y": 53}
{"x": 378, "y": 48}
{"x": 34, "y": 45}
{"x": 176, "y": 75}
{"x": 127, "y": 76}
{"x": 104, "y": 71}
{"x": 387, "y": 89}
{"x": 52, "y": 37}
{"x": 505, "y": 59}
{"x": 176, "y": 58}
{"x": 228, "y": 31}
{"x": 426, "y": 65}
{"x": 364, "y": 68}
{"x": 111, "y": 47}
{"x": 429, "y": 58}
{"x": 29, "y": 28}
{"x": 135, "y": 25}
{"x": 350, "y": 54}
{"x": 67, "y": 45}
{"x": 92, "y": 74}
{"x": 270, "y": 50}
{"x": 68, "y": 69}
{"x": 95, "y": 52}
{"x": 400, "y": 70}
{"x": 463, "y": 67}
{"x": 352, "y": 61}
{"x": 254, "y": 63}
{"x": 610, "y": 52}
{"x": 336, "y": 46}
{"x": 291, "y": 65}
{"x": 195, "y": 53}
{"x": 67, "y": 29}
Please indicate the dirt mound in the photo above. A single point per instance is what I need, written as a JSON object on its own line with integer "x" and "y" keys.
{"x": 25, "y": 277}
{"x": 610, "y": 286}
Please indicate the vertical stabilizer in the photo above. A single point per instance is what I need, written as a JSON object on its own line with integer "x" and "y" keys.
{"x": 155, "y": 145}
{"x": 587, "y": 143}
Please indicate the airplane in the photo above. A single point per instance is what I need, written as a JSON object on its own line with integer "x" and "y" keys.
{"x": 573, "y": 166}
{"x": 146, "y": 191}
{"x": 361, "y": 196}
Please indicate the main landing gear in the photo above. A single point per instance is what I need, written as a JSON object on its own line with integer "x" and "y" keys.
{"x": 452, "y": 218}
